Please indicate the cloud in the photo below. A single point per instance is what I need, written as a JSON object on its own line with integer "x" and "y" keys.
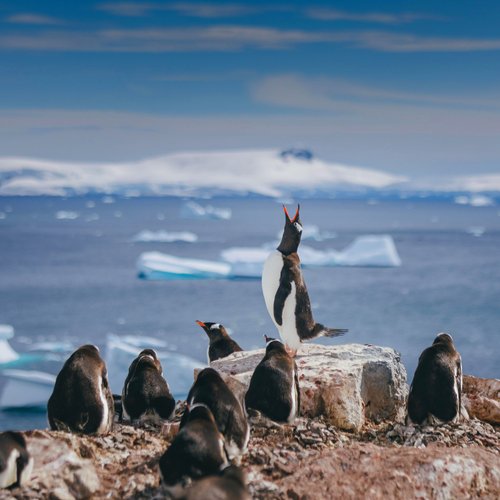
{"x": 326, "y": 14}
{"x": 30, "y": 18}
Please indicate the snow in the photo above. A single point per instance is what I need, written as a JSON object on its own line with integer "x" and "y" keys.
{"x": 7, "y": 354}
{"x": 178, "y": 369}
{"x": 66, "y": 215}
{"x": 26, "y": 388}
{"x": 147, "y": 236}
{"x": 192, "y": 210}
{"x": 263, "y": 172}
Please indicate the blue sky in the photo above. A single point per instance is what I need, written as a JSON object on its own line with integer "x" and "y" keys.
{"x": 408, "y": 87}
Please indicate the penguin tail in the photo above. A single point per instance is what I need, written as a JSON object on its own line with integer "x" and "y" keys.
{"x": 323, "y": 331}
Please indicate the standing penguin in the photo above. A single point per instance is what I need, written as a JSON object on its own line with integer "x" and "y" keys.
{"x": 285, "y": 291}
{"x": 81, "y": 400}
{"x": 274, "y": 386}
{"x": 211, "y": 390}
{"x": 146, "y": 393}
{"x": 16, "y": 463}
{"x": 221, "y": 344}
{"x": 436, "y": 390}
{"x": 196, "y": 451}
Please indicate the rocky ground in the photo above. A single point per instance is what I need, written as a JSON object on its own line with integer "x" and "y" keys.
{"x": 309, "y": 459}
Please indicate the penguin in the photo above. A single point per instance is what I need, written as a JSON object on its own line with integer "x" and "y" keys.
{"x": 196, "y": 451}
{"x": 274, "y": 386}
{"x": 230, "y": 484}
{"x": 211, "y": 390}
{"x": 146, "y": 394}
{"x": 16, "y": 463}
{"x": 221, "y": 344}
{"x": 82, "y": 400}
{"x": 285, "y": 291}
{"x": 436, "y": 389}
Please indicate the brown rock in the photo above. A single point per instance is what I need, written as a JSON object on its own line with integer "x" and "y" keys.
{"x": 481, "y": 398}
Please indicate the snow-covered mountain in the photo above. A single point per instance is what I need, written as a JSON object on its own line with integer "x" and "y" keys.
{"x": 261, "y": 172}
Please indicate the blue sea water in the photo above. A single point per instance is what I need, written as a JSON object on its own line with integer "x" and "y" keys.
{"x": 75, "y": 280}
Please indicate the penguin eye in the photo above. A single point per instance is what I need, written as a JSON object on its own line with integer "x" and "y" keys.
{"x": 298, "y": 227}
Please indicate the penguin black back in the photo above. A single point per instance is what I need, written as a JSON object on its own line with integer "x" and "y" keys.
{"x": 221, "y": 344}
{"x": 274, "y": 388}
{"x": 211, "y": 390}
{"x": 81, "y": 400}
{"x": 146, "y": 392}
{"x": 196, "y": 451}
{"x": 437, "y": 384}
{"x": 15, "y": 461}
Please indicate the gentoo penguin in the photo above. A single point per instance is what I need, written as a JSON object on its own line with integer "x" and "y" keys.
{"x": 211, "y": 390}
{"x": 196, "y": 451}
{"x": 221, "y": 344}
{"x": 16, "y": 463}
{"x": 274, "y": 386}
{"x": 436, "y": 390}
{"x": 146, "y": 395}
{"x": 230, "y": 484}
{"x": 285, "y": 291}
{"x": 81, "y": 400}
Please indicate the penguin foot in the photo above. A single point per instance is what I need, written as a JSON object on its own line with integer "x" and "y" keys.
{"x": 291, "y": 352}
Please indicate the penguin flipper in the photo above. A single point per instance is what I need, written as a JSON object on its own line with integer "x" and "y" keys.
{"x": 284, "y": 290}
{"x": 320, "y": 330}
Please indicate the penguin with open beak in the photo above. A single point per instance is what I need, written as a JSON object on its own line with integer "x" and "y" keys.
{"x": 220, "y": 343}
{"x": 285, "y": 291}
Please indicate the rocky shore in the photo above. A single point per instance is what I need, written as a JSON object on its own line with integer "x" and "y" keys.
{"x": 312, "y": 458}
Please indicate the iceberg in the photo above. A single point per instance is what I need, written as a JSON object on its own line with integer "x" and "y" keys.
{"x": 370, "y": 251}
{"x": 156, "y": 265}
{"x": 7, "y": 354}
{"x": 177, "y": 368}
{"x": 66, "y": 215}
{"x": 26, "y": 388}
{"x": 192, "y": 210}
{"x": 147, "y": 236}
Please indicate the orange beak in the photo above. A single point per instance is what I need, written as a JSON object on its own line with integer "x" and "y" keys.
{"x": 201, "y": 323}
{"x": 296, "y": 213}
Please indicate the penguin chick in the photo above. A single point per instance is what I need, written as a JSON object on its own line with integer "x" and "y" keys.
{"x": 81, "y": 400}
{"x": 146, "y": 394}
{"x": 220, "y": 343}
{"x": 285, "y": 292}
{"x": 211, "y": 390}
{"x": 16, "y": 463}
{"x": 196, "y": 451}
{"x": 274, "y": 386}
{"x": 436, "y": 390}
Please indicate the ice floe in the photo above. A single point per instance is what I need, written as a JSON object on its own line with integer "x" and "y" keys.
{"x": 66, "y": 215}
{"x": 192, "y": 210}
{"x": 246, "y": 262}
{"x": 26, "y": 388}
{"x": 7, "y": 354}
{"x": 476, "y": 231}
{"x": 474, "y": 200}
{"x": 177, "y": 368}
{"x": 147, "y": 236}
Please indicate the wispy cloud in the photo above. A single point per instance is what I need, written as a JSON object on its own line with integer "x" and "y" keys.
{"x": 326, "y": 14}
{"x": 32, "y": 18}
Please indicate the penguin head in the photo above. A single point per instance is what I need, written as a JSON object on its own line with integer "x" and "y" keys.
{"x": 273, "y": 344}
{"x": 292, "y": 233}
{"x": 200, "y": 411}
{"x": 208, "y": 375}
{"x": 148, "y": 357}
{"x": 443, "y": 338}
{"x": 215, "y": 331}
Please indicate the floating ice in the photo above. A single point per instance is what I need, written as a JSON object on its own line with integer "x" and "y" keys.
{"x": 7, "y": 354}
{"x": 177, "y": 368}
{"x": 3, "y": 215}
{"x": 156, "y": 265}
{"x": 475, "y": 200}
{"x": 56, "y": 346}
{"x": 476, "y": 231}
{"x": 147, "y": 236}
{"x": 26, "y": 388}
{"x": 66, "y": 215}
{"x": 108, "y": 200}
{"x": 192, "y": 210}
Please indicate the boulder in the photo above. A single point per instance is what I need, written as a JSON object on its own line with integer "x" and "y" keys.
{"x": 481, "y": 398}
{"x": 348, "y": 384}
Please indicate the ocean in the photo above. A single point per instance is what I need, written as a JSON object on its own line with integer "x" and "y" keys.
{"x": 73, "y": 280}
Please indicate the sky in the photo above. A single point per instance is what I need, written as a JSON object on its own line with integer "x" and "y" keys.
{"x": 412, "y": 88}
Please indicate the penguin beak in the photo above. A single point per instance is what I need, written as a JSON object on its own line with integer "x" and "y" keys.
{"x": 296, "y": 217}
{"x": 201, "y": 324}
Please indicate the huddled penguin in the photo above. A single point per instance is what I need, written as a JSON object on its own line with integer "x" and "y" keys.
{"x": 196, "y": 451}
{"x": 16, "y": 463}
{"x": 436, "y": 390}
{"x": 221, "y": 344}
{"x": 230, "y": 484}
{"x": 274, "y": 386}
{"x": 211, "y": 390}
{"x": 285, "y": 291}
{"x": 81, "y": 400}
{"x": 146, "y": 395}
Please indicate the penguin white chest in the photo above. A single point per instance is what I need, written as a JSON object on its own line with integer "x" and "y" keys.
{"x": 271, "y": 275}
